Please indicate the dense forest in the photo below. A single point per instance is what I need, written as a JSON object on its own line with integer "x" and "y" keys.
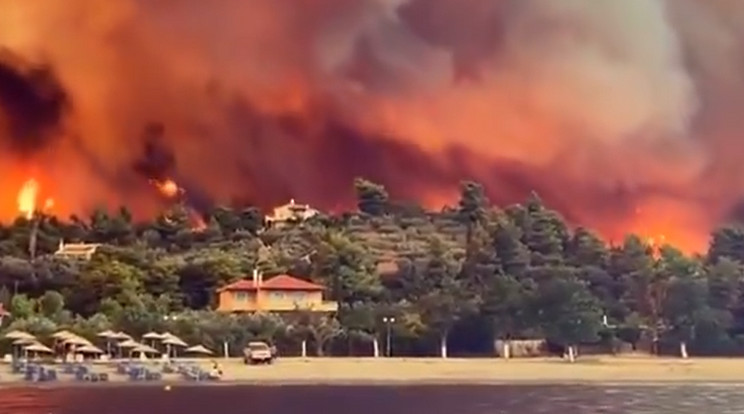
{"x": 459, "y": 278}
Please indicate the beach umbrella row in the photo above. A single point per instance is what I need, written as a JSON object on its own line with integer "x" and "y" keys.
{"x": 168, "y": 339}
{"x": 121, "y": 340}
{"x": 27, "y": 342}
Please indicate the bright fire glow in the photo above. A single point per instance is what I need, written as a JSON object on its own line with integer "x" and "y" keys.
{"x": 168, "y": 188}
{"x": 28, "y": 197}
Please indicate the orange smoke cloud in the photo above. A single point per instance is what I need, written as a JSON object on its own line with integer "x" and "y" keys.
{"x": 623, "y": 115}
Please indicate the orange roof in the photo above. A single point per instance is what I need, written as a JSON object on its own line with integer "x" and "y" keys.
{"x": 281, "y": 282}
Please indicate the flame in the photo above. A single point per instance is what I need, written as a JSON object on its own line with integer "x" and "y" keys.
{"x": 27, "y": 198}
{"x": 655, "y": 243}
{"x": 197, "y": 223}
{"x": 167, "y": 187}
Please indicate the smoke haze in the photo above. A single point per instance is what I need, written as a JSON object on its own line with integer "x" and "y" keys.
{"x": 622, "y": 114}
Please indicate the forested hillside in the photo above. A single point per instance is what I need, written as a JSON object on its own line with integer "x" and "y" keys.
{"x": 464, "y": 276}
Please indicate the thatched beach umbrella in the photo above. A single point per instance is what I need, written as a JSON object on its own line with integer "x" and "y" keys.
{"x": 170, "y": 341}
{"x": 143, "y": 349}
{"x": 107, "y": 334}
{"x": 24, "y": 341}
{"x": 20, "y": 343}
{"x": 89, "y": 350}
{"x": 129, "y": 343}
{"x": 76, "y": 341}
{"x": 19, "y": 335}
{"x": 121, "y": 336}
{"x": 173, "y": 342}
{"x": 167, "y": 335}
{"x": 64, "y": 334}
{"x": 39, "y": 348}
{"x": 198, "y": 349}
{"x": 126, "y": 345}
{"x": 152, "y": 336}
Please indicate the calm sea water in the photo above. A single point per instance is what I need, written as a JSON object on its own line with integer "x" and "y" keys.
{"x": 677, "y": 399}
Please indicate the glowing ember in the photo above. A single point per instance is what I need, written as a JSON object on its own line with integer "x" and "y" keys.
{"x": 168, "y": 188}
{"x": 197, "y": 223}
{"x": 27, "y": 198}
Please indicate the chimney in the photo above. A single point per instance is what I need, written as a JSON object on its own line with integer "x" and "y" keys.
{"x": 257, "y": 277}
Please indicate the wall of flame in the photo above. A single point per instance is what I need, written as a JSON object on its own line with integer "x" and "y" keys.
{"x": 623, "y": 115}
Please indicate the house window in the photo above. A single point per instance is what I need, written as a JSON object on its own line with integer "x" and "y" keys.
{"x": 278, "y": 295}
{"x": 241, "y": 296}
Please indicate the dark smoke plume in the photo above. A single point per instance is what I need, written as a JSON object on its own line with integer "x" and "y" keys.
{"x": 157, "y": 161}
{"x": 32, "y": 104}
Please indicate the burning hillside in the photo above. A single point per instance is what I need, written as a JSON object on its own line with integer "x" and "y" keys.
{"x": 623, "y": 115}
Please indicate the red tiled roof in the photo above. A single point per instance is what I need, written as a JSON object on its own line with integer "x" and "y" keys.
{"x": 281, "y": 282}
{"x": 3, "y": 312}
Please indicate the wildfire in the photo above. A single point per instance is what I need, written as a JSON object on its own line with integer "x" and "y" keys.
{"x": 197, "y": 223}
{"x": 167, "y": 187}
{"x": 655, "y": 243}
{"x": 28, "y": 197}
{"x": 171, "y": 190}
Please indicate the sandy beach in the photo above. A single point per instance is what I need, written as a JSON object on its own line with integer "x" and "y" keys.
{"x": 635, "y": 370}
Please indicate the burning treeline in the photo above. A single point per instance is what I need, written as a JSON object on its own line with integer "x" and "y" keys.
{"x": 622, "y": 114}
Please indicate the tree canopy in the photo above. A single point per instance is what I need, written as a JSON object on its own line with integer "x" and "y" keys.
{"x": 453, "y": 281}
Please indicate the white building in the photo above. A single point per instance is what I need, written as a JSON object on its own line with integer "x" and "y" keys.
{"x": 291, "y": 212}
{"x": 76, "y": 250}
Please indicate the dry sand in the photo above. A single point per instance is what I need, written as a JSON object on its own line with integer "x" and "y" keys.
{"x": 606, "y": 369}
{"x": 634, "y": 370}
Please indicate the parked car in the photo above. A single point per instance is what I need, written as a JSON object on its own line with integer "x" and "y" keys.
{"x": 259, "y": 353}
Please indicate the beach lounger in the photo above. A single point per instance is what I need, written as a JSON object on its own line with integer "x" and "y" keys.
{"x": 51, "y": 375}
{"x": 154, "y": 376}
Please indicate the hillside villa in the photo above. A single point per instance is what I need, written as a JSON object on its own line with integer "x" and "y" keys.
{"x": 82, "y": 251}
{"x": 290, "y": 212}
{"x": 281, "y": 293}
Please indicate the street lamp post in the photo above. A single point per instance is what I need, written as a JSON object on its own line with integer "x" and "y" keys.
{"x": 388, "y": 321}
{"x": 169, "y": 318}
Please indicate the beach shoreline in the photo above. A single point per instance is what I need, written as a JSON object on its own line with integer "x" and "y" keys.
{"x": 607, "y": 370}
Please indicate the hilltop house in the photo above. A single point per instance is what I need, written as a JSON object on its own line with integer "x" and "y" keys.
{"x": 82, "y": 251}
{"x": 290, "y": 212}
{"x": 278, "y": 294}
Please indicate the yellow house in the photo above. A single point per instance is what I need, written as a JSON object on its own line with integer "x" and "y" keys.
{"x": 278, "y": 294}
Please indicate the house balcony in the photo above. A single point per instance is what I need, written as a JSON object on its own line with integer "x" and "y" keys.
{"x": 279, "y": 306}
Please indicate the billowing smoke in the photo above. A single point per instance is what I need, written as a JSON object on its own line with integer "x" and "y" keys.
{"x": 623, "y": 114}
{"x": 32, "y": 102}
